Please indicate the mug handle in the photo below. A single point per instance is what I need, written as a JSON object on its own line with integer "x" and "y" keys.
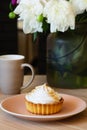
{"x": 32, "y": 77}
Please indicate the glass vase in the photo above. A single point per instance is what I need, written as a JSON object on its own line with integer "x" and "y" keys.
{"x": 67, "y": 58}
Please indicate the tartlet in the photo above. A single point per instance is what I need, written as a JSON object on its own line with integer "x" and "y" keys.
{"x": 43, "y": 100}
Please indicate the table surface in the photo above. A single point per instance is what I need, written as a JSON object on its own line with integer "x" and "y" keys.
{"x": 77, "y": 122}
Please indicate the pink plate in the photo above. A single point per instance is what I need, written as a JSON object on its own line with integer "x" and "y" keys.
{"x": 15, "y": 105}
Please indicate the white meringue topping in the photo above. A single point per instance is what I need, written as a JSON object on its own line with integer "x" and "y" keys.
{"x": 43, "y": 94}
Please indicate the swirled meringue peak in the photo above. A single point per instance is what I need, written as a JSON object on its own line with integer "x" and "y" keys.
{"x": 43, "y": 94}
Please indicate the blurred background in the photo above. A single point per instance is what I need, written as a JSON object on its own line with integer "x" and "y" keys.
{"x": 14, "y": 41}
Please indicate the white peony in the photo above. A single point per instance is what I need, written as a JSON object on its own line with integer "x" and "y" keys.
{"x": 28, "y": 10}
{"x": 60, "y": 15}
{"x": 79, "y": 6}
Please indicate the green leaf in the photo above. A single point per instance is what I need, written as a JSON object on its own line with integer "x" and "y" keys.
{"x": 81, "y": 18}
{"x": 45, "y": 26}
{"x": 10, "y": 7}
{"x": 35, "y": 35}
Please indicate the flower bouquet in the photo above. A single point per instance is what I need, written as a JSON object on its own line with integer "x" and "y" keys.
{"x": 52, "y": 15}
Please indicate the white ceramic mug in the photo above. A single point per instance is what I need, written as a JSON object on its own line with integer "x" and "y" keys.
{"x": 12, "y": 73}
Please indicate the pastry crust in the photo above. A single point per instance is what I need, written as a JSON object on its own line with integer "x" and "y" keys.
{"x": 44, "y": 109}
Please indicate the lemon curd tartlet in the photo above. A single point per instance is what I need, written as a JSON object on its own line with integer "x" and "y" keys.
{"x": 43, "y": 100}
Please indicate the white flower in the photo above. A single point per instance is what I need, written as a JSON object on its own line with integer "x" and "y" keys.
{"x": 28, "y": 10}
{"x": 79, "y": 6}
{"x": 60, "y": 15}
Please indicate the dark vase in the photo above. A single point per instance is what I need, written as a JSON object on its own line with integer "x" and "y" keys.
{"x": 67, "y": 58}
